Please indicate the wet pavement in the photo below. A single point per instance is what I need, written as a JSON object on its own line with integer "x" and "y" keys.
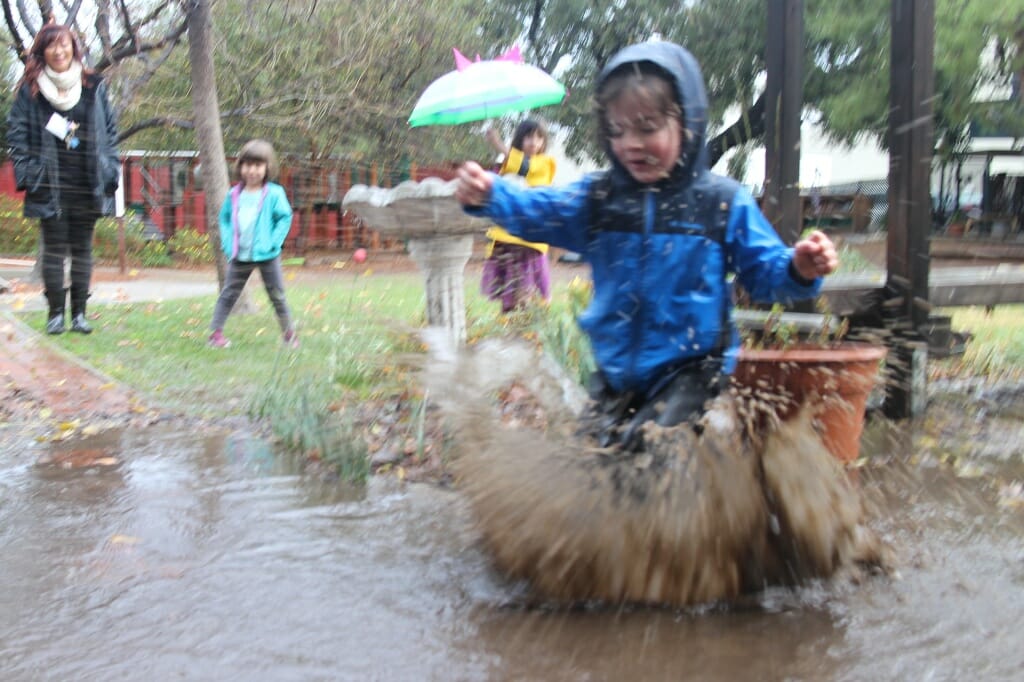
{"x": 205, "y": 557}
{"x": 109, "y": 285}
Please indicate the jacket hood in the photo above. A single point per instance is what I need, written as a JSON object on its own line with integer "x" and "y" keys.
{"x": 681, "y": 68}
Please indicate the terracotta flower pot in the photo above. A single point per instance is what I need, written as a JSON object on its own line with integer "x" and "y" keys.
{"x": 836, "y": 380}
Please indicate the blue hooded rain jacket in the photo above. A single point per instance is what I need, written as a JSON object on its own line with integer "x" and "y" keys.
{"x": 661, "y": 254}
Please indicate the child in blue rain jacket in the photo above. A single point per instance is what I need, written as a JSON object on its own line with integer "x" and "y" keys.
{"x": 662, "y": 235}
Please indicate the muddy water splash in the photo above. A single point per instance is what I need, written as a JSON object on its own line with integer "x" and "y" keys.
{"x": 701, "y": 515}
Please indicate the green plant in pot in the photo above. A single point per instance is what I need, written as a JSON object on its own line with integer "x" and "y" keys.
{"x": 788, "y": 368}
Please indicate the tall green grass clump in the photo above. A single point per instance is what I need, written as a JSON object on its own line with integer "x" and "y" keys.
{"x": 302, "y": 411}
{"x": 562, "y": 337}
{"x": 306, "y": 425}
{"x": 551, "y": 326}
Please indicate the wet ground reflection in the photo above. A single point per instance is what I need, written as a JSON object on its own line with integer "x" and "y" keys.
{"x": 207, "y": 558}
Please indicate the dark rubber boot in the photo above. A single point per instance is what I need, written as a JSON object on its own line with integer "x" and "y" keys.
{"x": 55, "y": 316}
{"x": 78, "y": 322}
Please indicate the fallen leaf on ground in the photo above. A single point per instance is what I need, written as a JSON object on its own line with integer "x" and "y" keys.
{"x": 124, "y": 540}
{"x": 1012, "y": 495}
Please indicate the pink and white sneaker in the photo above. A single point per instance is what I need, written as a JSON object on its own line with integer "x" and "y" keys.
{"x": 218, "y": 340}
{"x": 291, "y": 339}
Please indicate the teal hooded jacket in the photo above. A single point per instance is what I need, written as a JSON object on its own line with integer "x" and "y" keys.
{"x": 273, "y": 222}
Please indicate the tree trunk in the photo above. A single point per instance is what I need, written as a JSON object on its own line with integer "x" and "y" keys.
{"x": 209, "y": 137}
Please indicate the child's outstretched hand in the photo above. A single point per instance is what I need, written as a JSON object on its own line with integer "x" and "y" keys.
{"x": 815, "y": 256}
{"x": 474, "y": 188}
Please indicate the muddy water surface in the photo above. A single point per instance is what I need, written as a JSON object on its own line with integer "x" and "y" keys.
{"x": 205, "y": 558}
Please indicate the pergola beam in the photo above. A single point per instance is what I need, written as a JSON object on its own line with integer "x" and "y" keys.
{"x": 784, "y": 49}
{"x": 911, "y": 90}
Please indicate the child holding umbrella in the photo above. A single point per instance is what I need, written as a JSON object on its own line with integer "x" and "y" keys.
{"x": 515, "y": 268}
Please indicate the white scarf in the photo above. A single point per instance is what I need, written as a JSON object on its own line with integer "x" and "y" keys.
{"x": 63, "y": 90}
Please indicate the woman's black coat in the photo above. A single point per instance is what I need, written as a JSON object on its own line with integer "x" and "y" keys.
{"x": 34, "y": 151}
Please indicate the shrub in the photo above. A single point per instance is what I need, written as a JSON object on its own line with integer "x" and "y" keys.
{"x": 18, "y": 236}
{"x": 189, "y": 247}
{"x": 137, "y": 248}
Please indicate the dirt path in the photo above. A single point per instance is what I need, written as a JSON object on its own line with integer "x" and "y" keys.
{"x": 40, "y": 383}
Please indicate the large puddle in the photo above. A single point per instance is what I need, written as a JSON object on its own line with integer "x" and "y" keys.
{"x": 206, "y": 558}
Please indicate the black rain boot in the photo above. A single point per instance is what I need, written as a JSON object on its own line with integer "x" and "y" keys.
{"x": 78, "y": 322}
{"x": 55, "y": 316}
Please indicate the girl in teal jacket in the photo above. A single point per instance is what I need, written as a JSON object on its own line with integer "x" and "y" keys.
{"x": 254, "y": 222}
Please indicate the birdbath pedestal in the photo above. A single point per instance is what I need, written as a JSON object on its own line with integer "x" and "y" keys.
{"x": 439, "y": 235}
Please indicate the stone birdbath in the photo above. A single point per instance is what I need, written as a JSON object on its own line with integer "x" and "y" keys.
{"x": 439, "y": 236}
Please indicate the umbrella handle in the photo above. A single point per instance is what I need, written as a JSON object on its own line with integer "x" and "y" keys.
{"x": 496, "y": 140}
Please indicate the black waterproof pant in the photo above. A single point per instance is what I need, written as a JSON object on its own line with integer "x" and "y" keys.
{"x": 68, "y": 234}
{"x": 681, "y": 394}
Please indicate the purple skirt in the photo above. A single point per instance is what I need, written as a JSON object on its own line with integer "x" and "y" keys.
{"x": 513, "y": 273}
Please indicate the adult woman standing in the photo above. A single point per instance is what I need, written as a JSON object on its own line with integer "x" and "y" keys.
{"x": 62, "y": 132}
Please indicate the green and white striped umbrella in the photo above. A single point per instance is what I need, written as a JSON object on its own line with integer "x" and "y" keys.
{"x": 485, "y": 89}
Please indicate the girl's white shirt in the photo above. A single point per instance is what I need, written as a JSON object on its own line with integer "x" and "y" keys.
{"x": 248, "y": 210}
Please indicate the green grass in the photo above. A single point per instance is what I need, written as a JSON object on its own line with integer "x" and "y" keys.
{"x": 351, "y": 329}
{"x": 996, "y": 351}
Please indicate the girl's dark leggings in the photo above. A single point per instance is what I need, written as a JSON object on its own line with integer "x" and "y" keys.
{"x": 237, "y": 275}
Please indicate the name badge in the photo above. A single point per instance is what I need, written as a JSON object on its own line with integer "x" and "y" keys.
{"x": 63, "y": 129}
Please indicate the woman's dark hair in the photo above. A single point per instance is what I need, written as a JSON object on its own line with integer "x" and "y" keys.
{"x": 257, "y": 151}
{"x": 645, "y": 81}
{"x": 35, "y": 62}
{"x": 527, "y": 127}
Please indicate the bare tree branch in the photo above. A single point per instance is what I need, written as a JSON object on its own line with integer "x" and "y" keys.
{"x": 103, "y": 27}
{"x": 126, "y": 21}
{"x": 127, "y": 48}
{"x": 535, "y": 19}
{"x": 23, "y": 12}
{"x": 73, "y": 13}
{"x": 45, "y": 10}
{"x": 12, "y": 29}
{"x": 156, "y": 122}
{"x": 130, "y": 88}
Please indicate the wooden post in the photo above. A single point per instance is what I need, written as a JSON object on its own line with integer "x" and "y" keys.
{"x": 860, "y": 213}
{"x": 784, "y": 100}
{"x": 380, "y": 178}
{"x": 911, "y": 88}
{"x": 345, "y": 239}
{"x": 122, "y": 257}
